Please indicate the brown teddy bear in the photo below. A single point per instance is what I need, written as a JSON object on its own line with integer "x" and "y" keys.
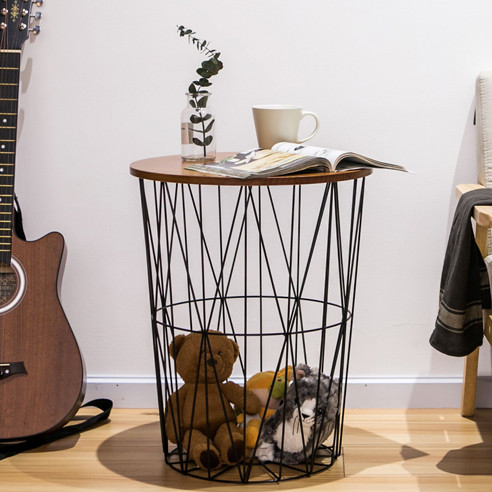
{"x": 199, "y": 415}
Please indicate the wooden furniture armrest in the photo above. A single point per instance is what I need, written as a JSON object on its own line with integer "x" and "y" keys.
{"x": 461, "y": 189}
{"x": 482, "y": 213}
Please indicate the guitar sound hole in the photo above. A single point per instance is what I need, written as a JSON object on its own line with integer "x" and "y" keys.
{"x": 9, "y": 284}
{"x": 12, "y": 284}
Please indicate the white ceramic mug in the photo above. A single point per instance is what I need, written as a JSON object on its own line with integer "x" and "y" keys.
{"x": 280, "y": 123}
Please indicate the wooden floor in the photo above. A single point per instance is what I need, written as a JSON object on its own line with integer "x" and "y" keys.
{"x": 394, "y": 450}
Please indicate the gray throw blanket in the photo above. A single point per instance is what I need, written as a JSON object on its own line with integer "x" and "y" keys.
{"x": 465, "y": 289}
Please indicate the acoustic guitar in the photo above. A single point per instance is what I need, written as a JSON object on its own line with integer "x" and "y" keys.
{"x": 42, "y": 376}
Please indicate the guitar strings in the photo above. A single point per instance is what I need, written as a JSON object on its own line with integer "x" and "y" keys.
{"x": 9, "y": 94}
{"x": 3, "y": 45}
{"x": 13, "y": 104}
{"x": 10, "y": 76}
{"x": 4, "y": 106}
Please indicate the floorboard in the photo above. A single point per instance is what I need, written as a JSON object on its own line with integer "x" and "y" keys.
{"x": 404, "y": 450}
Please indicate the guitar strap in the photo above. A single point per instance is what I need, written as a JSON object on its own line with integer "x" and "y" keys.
{"x": 8, "y": 450}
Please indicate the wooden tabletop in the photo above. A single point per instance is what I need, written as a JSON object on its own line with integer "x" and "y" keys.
{"x": 171, "y": 169}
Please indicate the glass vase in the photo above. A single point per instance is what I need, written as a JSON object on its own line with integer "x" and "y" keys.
{"x": 198, "y": 128}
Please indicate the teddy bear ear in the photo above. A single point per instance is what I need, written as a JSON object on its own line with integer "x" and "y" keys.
{"x": 175, "y": 345}
{"x": 235, "y": 347}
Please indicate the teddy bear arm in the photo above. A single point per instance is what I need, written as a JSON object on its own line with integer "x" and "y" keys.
{"x": 175, "y": 402}
{"x": 235, "y": 394}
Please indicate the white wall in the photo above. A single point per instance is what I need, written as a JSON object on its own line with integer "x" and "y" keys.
{"x": 103, "y": 85}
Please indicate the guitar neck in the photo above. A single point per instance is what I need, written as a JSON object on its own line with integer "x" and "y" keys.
{"x": 9, "y": 93}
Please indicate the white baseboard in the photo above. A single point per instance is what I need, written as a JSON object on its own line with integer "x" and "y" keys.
{"x": 140, "y": 392}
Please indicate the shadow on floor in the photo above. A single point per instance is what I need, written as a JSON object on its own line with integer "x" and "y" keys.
{"x": 136, "y": 454}
{"x": 475, "y": 459}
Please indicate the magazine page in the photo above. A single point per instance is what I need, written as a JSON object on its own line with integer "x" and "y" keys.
{"x": 287, "y": 158}
{"x": 350, "y": 160}
{"x": 257, "y": 163}
{"x": 338, "y": 159}
{"x": 330, "y": 155}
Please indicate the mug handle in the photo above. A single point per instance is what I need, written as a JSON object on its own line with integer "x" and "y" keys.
{"x": 309, "y": 113}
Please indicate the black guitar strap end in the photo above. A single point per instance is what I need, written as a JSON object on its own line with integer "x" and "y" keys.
{"x": 103, "y": 404}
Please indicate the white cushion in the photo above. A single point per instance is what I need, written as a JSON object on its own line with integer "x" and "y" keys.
{"x": 484, "y": 128}
{"x": 484, "y": 135}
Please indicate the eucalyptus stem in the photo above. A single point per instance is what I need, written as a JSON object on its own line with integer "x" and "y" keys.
{"x": 208, "y": 68}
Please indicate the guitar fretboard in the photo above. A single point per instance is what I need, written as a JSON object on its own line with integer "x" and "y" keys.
{"x": 9, "y": 93}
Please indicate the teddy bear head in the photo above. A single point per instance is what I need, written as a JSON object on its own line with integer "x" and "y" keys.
{"x": 204, "y": 356}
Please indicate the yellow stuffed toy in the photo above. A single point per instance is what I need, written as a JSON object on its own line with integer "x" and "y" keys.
{"x": 269, "y": 388}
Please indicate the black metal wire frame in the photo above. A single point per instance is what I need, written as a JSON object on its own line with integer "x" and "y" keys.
{"x": 235, "y": 258}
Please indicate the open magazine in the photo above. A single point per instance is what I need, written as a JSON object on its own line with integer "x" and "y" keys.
{"x": 287, "y": 158}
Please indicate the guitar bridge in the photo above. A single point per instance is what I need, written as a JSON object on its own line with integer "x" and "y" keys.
{"x": 8, "y": 369}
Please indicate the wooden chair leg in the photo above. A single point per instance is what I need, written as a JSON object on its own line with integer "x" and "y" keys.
{"x": 469, "y": 389}
{"x": 469, "y": 384}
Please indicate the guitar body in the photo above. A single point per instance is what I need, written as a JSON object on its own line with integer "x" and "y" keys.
{"x": 42, "y": 376}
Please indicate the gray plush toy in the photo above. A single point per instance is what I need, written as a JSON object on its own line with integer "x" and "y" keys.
{"x": 304, "y": 420}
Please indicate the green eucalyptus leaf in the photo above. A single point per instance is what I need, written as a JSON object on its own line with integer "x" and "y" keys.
{"x": 206, "y": 117}
{"x": 197, "y": 141}
{"x": 208, "y": 140}
{"x": 196, "y": 119}
{"x": 202, "y": 102}
{"x": 210, "y": 67}
{"x": 203, "y": 73}
{"x": 209, "y": 126}
{"x": 213, "y": 67}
